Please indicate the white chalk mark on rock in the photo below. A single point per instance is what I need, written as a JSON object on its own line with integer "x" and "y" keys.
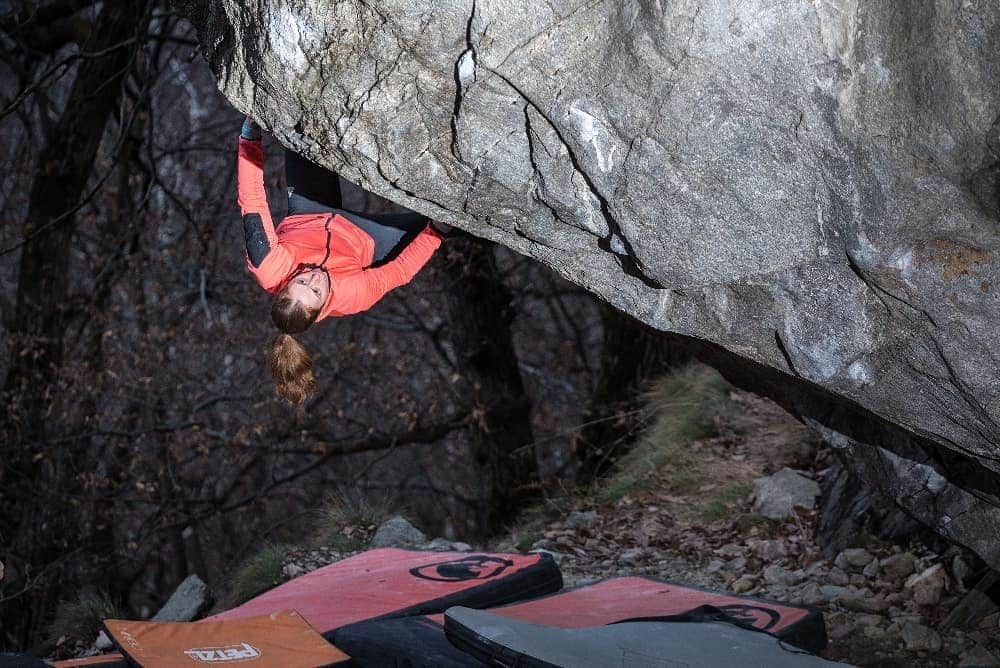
{"x": 467, "y": 67}
{"x": 860, "y": 372}
{"x": 286, "y": 31}
{"x": 592, "y": 131}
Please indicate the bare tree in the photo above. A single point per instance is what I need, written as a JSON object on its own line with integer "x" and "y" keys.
{"x": 479, "y": 308}
{"x": 41, "y": 534}
{"x": 632, "y": 354}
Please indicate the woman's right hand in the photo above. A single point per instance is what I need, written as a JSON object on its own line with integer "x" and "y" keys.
{"x": 250, "y": 130}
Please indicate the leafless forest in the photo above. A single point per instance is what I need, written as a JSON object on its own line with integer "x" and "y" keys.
{"x": 141, "y": 437}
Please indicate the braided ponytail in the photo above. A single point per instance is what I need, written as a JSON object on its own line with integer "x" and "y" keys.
{"x": 291, "y": 366}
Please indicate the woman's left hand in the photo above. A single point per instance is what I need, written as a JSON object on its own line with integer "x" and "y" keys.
{"x": 250, "y": 130}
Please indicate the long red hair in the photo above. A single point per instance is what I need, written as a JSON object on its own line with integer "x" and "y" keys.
{"x": 291, "y": 366}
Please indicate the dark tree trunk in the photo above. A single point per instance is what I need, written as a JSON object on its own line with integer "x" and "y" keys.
{"x": 64, "y": 168}
{"x": 632, "y": 354}
{"x": 120, "y": 232}
{"x": 479, "y": 320}
{"x": 36, "y": 534}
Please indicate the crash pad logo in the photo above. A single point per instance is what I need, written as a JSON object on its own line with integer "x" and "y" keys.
{"x": 473, "y": 567}
{"x": 752, "y": 615}
{"x": 225, "y": 654}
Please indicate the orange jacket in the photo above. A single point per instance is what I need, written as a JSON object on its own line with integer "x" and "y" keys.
{"x": 305, "y": 239}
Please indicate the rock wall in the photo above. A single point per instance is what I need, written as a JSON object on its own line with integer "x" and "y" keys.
{"x": 810, "y": 189}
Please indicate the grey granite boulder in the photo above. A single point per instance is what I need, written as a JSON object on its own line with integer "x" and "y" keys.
{"x": 898, "y": 566}
{"x": 806, "y": 189}
{"x": 776, "y": 496}
{"x": 927, "y": 586}
{"x": 920, "y": 638}
{"x": 189, "y": 600}
{"x": 445, "y": 545}
{"x": 397, "y": 532}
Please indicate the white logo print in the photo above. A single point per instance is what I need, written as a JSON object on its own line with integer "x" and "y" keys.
{"x": 227, "y": 654}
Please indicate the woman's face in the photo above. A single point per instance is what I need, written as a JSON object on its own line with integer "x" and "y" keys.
{"x": 310, "y": 288}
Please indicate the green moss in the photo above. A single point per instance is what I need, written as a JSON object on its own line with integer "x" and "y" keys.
{"x": 719, "y": 505}
{"x": 736, "y": 493}
{"x": 259, "y": 573}
{"x": 713, "y": 510}
{"x": 524, "y": 541}
{"x": 680, "y": 408}
{"x": 687, "y": 478}
{"x": 342, "y": 543}
{"x": 619, "y": 486}
{"x": 533, "y": 520}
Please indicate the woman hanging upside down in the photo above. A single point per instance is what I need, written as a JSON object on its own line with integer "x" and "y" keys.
{"x": 320, "y": 261}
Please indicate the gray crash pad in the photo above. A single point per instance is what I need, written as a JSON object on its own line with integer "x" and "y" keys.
{"x": 501, "y": 641}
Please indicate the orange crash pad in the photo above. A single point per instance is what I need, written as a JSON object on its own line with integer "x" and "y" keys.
{"x": 278, "y": 640}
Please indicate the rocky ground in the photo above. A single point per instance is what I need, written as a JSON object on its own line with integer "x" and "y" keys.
{"x": 884, "y": 605}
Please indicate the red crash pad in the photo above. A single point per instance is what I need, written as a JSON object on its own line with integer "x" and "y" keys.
{"x": 394, "y": 582}
{"x": 391, "y": 582}
{"x": 636, "y": 597}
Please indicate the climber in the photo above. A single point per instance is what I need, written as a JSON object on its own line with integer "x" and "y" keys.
{"x": 320, "y": 261}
